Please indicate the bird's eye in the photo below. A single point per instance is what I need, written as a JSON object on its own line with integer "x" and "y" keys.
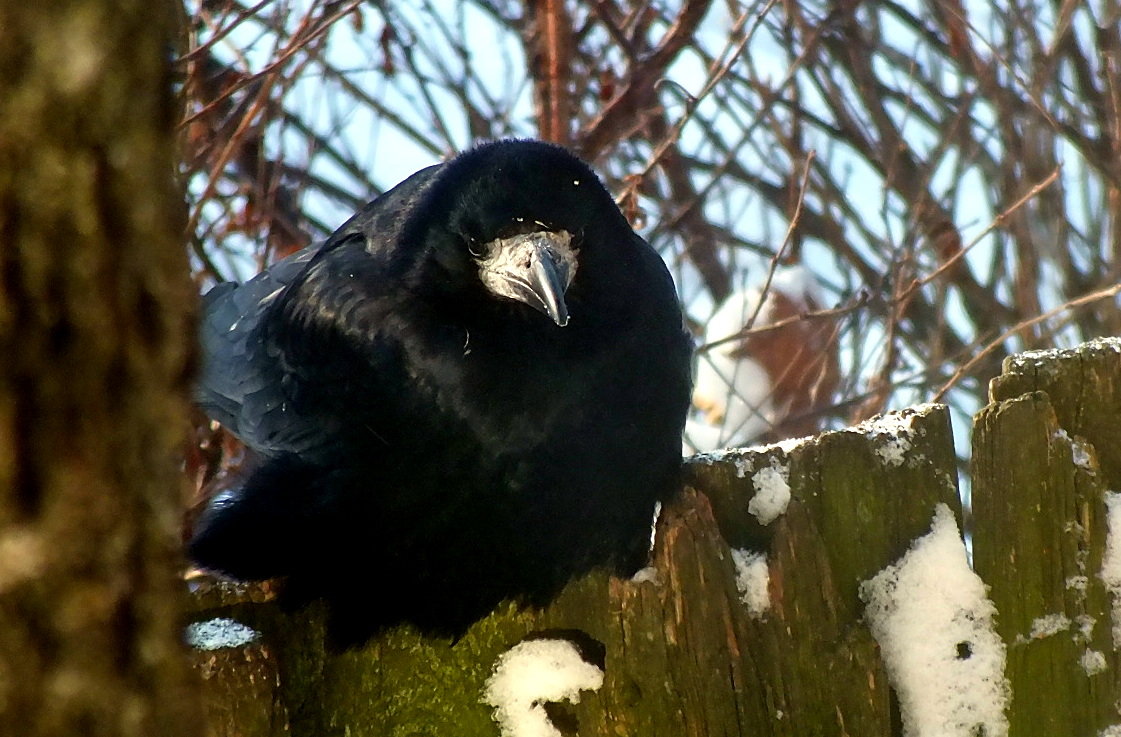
{"x": 474, "y": 249}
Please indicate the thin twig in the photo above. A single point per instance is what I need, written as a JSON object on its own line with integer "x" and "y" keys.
{"x": 787, "y": 239}
{"x": 1071, "y": 305}
{"x": 993, "y": 225}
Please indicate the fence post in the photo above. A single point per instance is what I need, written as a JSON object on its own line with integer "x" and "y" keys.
{"x": 1045, "y": 452}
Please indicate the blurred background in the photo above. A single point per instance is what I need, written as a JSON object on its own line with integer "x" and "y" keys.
{"x": 865, "y": 205}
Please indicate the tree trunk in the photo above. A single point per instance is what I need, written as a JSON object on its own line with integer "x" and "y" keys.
{"x": 94, "y": 365}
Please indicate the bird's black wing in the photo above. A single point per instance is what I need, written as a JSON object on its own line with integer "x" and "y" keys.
{"x": 246, "y": 380}
{"x": 278, "y": 370}
{"x": 232, "y": 388}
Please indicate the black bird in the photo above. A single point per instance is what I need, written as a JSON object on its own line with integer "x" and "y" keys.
{"x": 473, "y": 390}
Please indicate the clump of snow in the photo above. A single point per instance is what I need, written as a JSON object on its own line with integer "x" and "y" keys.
{"x": 753, "y": 578}
{"x": 1081, "y": 628}
{"x": 1093, "y": 662}
{"x": 740, "y": 456}
{"x": 1113, "y": 730}
{"x": 1049, "y": 624}
{"x": 743, "y": 465}
{"x": 892, "y": 450}
{"x": 771, "y": 483}
{"x": 1084, "y": 625}
{"x": 1108, "y": 343}
{"x": 1047, "y": 355}
{"x": 934, "y": 623}
{"x": 789, "y": 445}
{"x": 219, "y": 633}
{"x": 1080, "y": 454}
{"x": 1044, "y": 362}
{"x": 772, "y": 491}
{"x": 1111, "y": 560}
{"x": 534, "y": 673}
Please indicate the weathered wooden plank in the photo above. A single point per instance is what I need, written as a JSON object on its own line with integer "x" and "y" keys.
{"x": 1045, "y": 451}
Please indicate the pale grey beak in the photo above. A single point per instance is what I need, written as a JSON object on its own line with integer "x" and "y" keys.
{"x": 534, "y": 269}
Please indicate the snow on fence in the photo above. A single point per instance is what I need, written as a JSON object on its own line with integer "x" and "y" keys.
{"x": 813, "y": 587}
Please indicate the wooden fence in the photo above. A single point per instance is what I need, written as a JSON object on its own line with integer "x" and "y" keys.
{"x": 845, "y": 609}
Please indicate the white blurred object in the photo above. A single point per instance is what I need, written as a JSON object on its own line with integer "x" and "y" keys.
{"x": 747, "y": 386}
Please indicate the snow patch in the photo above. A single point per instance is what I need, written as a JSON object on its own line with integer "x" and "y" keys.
{"x": 534, "y": 673}
{"x": 219, "y": 633}
{"x": 740, "y": 456}
{"x": 1081, "y": 628}
{"x": 1111, "y": 560}
{"x": 934, "y": 623}
{"x": 1049, "y": 624}
{"x": 1093, "y": 662}
{"x": 753, "y": 578}
{"x": 789, "y": 445}
{"x": 1085, "y": 626}
{"x": 1080, "y": 452}
{"x": 893, "y": 450}
{"x": 1037, "y": 358}
{"x": 772, "y": 492}
{"x": 1109, "y": 343}
{"x": 894, "y": 433}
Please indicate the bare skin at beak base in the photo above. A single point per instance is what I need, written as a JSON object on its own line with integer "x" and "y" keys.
{"x": 534, "y": 269}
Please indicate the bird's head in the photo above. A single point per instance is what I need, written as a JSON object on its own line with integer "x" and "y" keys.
{"x": 516, "y": 217}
